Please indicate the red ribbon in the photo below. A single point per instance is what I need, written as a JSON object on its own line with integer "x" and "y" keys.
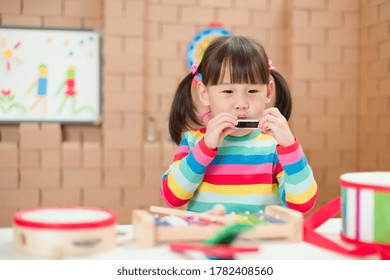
{"x": 327, "y": 211}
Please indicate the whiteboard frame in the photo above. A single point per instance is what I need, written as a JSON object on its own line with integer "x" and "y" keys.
{"x": 82, "y": 120}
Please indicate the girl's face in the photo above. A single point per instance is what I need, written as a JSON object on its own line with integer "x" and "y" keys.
{"x": 246, "y": 101}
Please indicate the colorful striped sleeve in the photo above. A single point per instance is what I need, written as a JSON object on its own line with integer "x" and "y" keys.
{"x": 296, "y": 181}
{"x": 186, "y": 172}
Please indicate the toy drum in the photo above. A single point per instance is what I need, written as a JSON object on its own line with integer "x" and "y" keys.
{"x": 366, "y": 207}
{"x": 58, "y": 232}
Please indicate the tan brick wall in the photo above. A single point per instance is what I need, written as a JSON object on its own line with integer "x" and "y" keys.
{"x": 374, "y": 99}
{"x": 324, "y": 73}
{"x": 335, "y": 55}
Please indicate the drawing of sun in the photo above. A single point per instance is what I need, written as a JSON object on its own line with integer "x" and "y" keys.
{"x": 9, "y": 53}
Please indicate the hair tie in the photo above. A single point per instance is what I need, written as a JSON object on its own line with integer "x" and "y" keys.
{"x": 194, "y": 69}
{"x": 271, "y": 67}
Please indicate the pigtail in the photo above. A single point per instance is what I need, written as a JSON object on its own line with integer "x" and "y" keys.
{"x": 283, "y": 96}
{"x": 183, "y": 113}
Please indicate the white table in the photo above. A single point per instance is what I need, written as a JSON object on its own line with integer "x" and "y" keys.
{"x": 128, "y": 249}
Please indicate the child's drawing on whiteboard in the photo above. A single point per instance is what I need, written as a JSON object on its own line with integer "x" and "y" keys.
{"x": 41, "y": 85}
{"x": 8, "y": 102}
{"x": 8, "y": 53}
{"x": 68, "y": 87}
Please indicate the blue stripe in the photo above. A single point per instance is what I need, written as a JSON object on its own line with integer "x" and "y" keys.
{"x": 241, "y": 159}
{"x": 183, "y": 142}
{"x": 295, "y": 167}
{"x": 195, "y": 166}
{"x": 295, "y": 179}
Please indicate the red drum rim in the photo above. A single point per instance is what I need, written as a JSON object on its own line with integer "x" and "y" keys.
{"x": 108, "y": 219}
{"x": 358, "y": 180}
{"x": 360, "y": 243}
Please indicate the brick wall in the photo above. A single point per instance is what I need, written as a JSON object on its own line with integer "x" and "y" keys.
{"x": 374, "y": 99}
{"x": 324, "y": 52}
{"x": 333, "y": 53}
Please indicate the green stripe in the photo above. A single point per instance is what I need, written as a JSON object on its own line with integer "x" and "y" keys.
{"x": 189, "y": 174}
{"x": 230, "y": 207}
{"x": 296, "y": 178}
{"x": 382, "y": 220}
{"x": 344, "y": 194}
{"x": 240, "y": 150}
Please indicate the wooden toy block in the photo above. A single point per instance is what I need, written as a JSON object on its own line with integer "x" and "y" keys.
{"x": 29, "y": 158}
{"x": 16, "y": 199}
{"x": 173, "y": 225}
{"x": 71, "y": 154}
{"x": 92, "y": 134}
{"x": 102, "y": 197}
{"x": 21, "y": 20}
{"x": 50, "y": 159}
{"x": 112, "y": 121}
{"x": 91, "y": 155}
{"x": 152, "y": 177}
{"x": 122, "y": 139}
{"x": 134, "y": 84}
{"x": 9, "y": 179}
{"x": 152, "y": 155}
{"x": 9, "y": 134}
{"x": 168, "y": 153}
{"x": 88, "y": 9}
{"x": 39, "y": 178}
{"x": 42, "y": 7}
{"x": 132, "y": 197}
{"x": 132, "y": 158}
{"x": 48, "y": 136}
{"x": 8, "y": 155}
{"x": 80, "y": 178}
{"x": 129, "y": 177}
{"x": 60, "y": 198}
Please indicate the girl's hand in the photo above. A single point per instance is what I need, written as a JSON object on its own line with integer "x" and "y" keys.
{"x": 218, "y": 127}
{"x": 275, "y": 124}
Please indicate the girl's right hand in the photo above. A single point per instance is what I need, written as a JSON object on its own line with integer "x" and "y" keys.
{"x": 218, "y": 127}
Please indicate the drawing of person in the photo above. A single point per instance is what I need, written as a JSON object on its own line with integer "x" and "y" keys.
{"x": 68, "y": 85}
{"x": 41, "y": 84}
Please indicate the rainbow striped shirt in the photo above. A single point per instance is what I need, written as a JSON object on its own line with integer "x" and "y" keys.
{"x": 243, "y": 174}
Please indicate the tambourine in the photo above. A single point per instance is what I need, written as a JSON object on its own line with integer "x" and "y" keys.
{"x": 366, "y": 207}
{"x": 59, "y": 232}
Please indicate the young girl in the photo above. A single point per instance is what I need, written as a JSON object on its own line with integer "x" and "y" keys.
{"x": 241, "y": 169}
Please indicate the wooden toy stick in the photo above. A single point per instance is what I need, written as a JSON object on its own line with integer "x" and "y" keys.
{"x": 223, "y": 219}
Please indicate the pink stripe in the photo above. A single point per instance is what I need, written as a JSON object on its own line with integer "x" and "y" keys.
{"x": 239, "y": 169}
{"x": 292, "y": 157}
{"x": 182, "y": 150}
{"x": 201, "y": 157}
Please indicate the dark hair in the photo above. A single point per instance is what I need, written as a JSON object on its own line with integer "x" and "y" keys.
{"x": 247, "y": 63}
{"x": 282, "y": 95}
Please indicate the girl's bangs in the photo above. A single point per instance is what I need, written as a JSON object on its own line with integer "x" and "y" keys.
{"x": 241, "y": 71}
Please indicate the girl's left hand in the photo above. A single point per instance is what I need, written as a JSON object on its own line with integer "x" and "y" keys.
{"x": 275, "y": 124}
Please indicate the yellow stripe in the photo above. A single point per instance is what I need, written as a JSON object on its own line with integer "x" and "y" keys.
{"x": 197, "y": 134}
{"x": 263, "y": 136}
{"x": 239, "y": 189}
{"x": 302, "y": 197}
{"x": 176, "y": 189}
{"x": 280, "y": 174}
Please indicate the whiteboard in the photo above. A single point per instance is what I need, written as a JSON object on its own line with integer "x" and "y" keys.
{"x": 50, "y": 75}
